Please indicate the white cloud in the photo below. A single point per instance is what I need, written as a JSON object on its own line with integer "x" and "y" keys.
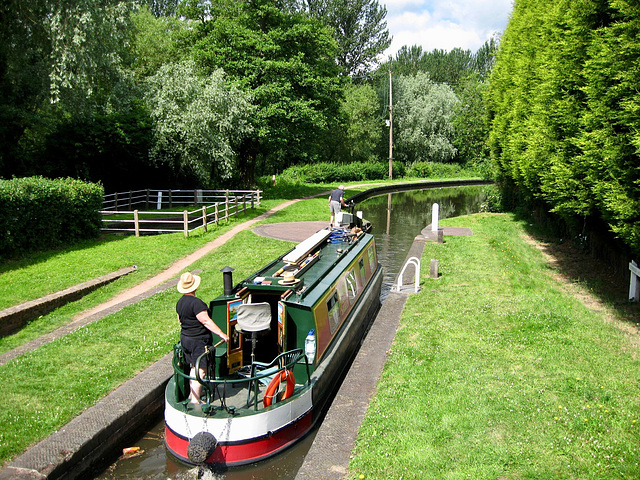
{"x": 444, "y": 24}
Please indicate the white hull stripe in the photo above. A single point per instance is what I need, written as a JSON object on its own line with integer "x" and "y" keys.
{"x": 241, "y": 427}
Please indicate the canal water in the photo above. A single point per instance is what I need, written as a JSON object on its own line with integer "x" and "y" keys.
{"x": 397, "y": 218}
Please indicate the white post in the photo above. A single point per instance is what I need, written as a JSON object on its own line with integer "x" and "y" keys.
{"x": 159, "y": 203}
{"x": 136, "y": 223}
{"x": 435, "y": 212}
{"x": 634, "y": 285}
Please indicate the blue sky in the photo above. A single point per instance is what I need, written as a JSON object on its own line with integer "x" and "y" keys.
{"x": 444, "y": 24}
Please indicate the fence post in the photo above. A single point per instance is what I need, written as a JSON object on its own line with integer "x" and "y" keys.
{"x": 170, "y": 199}
{"x": 634, "y": 285}
{"x": 216, "y": 214}
{"x": 258, "y": 194}
{"x": 244, "y": 204}
{"x": 130, "y": 198}
{"x": 204, "y": 218}
{"x": 185, "y": 218}
{"x": 136, "y": 223}
{"x": 116, "y": 202}
{"x": 159, "y": 203}
{"x": 146, "y": 204}
{"x": 226, "y": 201}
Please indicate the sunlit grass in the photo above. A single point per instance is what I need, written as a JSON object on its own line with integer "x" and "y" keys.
{"x": 495, "y": 373}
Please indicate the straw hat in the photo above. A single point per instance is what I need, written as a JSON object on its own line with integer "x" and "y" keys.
{"x": 188, "y": 283}
{"x": 288, "y": 279}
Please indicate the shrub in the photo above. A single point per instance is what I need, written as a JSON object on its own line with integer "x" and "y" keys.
{"x": 38, "y": 213}
{"x": 324, "y": 172}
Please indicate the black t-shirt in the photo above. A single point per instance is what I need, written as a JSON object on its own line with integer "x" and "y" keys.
{"x": 188, "y": 307}
{"x": 336, "y": 195}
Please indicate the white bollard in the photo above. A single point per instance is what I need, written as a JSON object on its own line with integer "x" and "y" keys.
{"x": 434, "y": 217}
{"x": 159, "y": 203}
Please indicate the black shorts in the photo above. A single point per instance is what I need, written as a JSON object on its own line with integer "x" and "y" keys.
{"x": 193, "y": 347}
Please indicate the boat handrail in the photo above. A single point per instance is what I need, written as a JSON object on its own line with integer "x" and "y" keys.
{"x": 284, "y": 361}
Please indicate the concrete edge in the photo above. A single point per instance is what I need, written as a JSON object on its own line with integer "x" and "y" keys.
{"x": 14, "y": 318}
{"x": 99, "y": 433}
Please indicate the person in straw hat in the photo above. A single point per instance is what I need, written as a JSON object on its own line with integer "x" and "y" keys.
{"x": 196, "y": 331}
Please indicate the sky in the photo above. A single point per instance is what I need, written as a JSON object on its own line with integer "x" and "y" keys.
{"x": 444, "y": 24}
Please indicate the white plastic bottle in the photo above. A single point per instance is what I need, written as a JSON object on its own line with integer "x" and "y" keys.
{"x": 310, "y": 346}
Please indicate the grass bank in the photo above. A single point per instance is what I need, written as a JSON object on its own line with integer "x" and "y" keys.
{"x": 497, "y": 372}
{"x": 76, "y": 371}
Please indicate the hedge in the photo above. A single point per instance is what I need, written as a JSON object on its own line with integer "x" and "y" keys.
{"x": 39, "y": 213}
{"x": 324, "y": 172}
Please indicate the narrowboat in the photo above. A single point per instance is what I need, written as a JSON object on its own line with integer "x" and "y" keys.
{"x": 294, "y": 327}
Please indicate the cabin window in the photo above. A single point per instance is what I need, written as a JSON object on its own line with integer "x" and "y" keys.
{"x": 372, "y": 259}
{"x": 333, "y": 307}
{"x": 352, "y": 285}
{"x": 362, "y": 273}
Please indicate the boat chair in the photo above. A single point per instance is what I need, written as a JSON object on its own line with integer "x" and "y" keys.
{"x": 254, "y": 319}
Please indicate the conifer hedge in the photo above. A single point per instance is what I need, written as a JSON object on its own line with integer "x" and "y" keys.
{"x": 564, "y": 107}
{"x": 38, "y": 213}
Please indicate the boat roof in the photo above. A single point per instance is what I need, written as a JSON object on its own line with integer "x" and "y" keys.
{"x": 327, "y": 254}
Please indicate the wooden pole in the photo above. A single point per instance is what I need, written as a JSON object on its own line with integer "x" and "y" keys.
{"x": 204, "y": 218}
{"x": 185, "y": 218}
{"x": 136, "y": 222}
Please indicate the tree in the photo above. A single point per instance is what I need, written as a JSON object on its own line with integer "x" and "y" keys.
{"x": 363, "y": 124}
{"x": 424, "y": 116}
{"x": 470, "y": 123}
{"x": 360, "y": 30}
{"x": 285, "y": 61}
{"x": 198, "y": 121}
{"x": 57, "y": 58}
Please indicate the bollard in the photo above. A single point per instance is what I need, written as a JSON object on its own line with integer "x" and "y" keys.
{"x": 434, "y": 268}
{"x": 434, "y": 217}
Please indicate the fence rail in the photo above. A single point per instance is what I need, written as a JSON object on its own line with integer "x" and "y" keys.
{"x": 217, "y": 206}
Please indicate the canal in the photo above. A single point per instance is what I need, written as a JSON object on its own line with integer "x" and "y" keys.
{"x": 397, "y": 218}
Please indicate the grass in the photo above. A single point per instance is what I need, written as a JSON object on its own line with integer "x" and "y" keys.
{"x": 497, "y": 373}
{"x": 75, "y": 371}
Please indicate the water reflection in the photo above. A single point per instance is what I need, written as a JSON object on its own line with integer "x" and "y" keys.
{"x": 397, "y": 219}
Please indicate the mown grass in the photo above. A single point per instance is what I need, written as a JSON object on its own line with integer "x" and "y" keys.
{"x": 497, "y": 373}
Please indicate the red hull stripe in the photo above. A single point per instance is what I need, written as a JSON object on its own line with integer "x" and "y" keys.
{"x": 242, "y": 453}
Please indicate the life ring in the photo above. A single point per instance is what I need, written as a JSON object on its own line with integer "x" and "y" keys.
{"x": 275, "y": 383}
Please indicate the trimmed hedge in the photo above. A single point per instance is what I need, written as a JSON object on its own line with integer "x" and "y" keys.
{"x": 324, "y": 172}
{"x": 39, "y": 213}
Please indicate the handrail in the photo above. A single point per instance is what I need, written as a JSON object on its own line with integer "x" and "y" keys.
{"x": 294, "y": 358}
{"x": 412, "y": 261}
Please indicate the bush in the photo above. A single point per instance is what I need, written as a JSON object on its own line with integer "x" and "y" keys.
{"x": 324, "y": 172}
{"x": 39, "y": 213}
{"x": 443, "y": 170}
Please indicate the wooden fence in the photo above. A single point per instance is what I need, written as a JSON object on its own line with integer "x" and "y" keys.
{"x": 119, "y": 214}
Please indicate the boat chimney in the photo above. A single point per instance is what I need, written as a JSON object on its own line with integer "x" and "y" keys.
{"x": 227, "y": 280}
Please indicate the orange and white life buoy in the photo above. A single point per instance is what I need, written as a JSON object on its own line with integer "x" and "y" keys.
{"x": 275, "y": 384}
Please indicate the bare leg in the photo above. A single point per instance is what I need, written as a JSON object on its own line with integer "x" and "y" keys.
{"x": 195, "y": 386}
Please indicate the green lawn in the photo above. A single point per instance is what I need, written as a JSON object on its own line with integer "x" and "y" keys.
{"x": 496, "y": 372}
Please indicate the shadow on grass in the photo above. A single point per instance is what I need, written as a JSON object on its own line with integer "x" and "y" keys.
{"x": 604, "y": 277}
{"x": 27, "y": 259}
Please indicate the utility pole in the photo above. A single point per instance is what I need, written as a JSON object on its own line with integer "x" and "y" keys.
{"x": 390, "y": 127}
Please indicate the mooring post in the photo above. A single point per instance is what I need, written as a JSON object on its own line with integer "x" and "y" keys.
{"x": 434, "y": 268}
{"x": 435, "y": 212}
